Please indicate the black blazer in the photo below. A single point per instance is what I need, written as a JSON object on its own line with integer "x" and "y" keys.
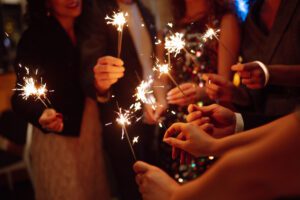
{"x": 46, "y": 46}
{"x": 279, "y": 46}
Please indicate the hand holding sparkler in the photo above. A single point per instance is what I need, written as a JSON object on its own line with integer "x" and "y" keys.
{"x": 192, "y": 91}
{"x": 118, "y": 20}
{"x": 51, "y": 121}
{"x": 107, "y": 71}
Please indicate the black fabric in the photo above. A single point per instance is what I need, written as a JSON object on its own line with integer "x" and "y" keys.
{"x": 278, "y": 46}
{"x": 47, "y": 47}
{"x": 100, "y": 39}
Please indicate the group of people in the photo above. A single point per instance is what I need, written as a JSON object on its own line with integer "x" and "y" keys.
{"x": 74, "y": 154}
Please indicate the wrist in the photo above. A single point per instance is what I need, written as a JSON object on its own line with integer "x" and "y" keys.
{"x": 265, "y": 70}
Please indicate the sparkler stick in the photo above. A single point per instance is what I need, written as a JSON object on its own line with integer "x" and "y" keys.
{"x": 165, "y": 69}
{"x": 118, "y": 20}
{"x": 123, "y": 120}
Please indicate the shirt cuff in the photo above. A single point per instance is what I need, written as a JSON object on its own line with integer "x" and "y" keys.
{"x": 239, "y": 125}
{"x": 265, "y": 70}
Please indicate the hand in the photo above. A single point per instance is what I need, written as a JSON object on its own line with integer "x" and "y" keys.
{"x": 51, "y": 121}
{"x": 154, "y": 184}
{"x": 252, "y": 75}
{"x": 218, "y": 88}
{"x": 191, "y": 90}
{"x": 152, "y": 116}
{"x": 222, "y": 119}
{"x": 189, "y": 138}
{"x": 107, "y": 72}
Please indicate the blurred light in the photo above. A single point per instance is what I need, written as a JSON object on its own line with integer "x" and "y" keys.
{"x": 242, "y": 8}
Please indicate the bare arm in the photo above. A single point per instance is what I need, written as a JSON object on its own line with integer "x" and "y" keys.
{"x": 229, "y": 45}
{"x": 257, "y": 166}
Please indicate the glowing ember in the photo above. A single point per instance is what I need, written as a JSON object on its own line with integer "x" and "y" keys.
{"x": 161, "y": 68}
{"x": 210, "y": 34}
{"x": 135, "y": 140}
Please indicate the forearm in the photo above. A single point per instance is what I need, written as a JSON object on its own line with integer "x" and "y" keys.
{"x": 288, "y": 75}
{"x": 226, "y": 144}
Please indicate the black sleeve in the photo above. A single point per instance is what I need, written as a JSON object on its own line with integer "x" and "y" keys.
{"x": 252, "y": 120}
{"x": 28, "y": 55}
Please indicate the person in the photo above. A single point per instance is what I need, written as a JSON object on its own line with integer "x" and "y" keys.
{"x": 138, "y": 47}
{"x": 271, "y": 70}
{"x": 250, "y": 168}
{"x": 67, "y": 156}
{"x": 193, "y": 18}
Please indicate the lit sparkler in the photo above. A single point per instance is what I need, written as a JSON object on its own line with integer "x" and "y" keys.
{"x": 165, "y": 69}
{"x": 175, "y": 43}
{"x": 144, "y": 92}
{"x": 210, "y": 34}
{"x": 135, "y": 140}
{"x": 124, "y": 119}
{"x": 118, "y": 20}
{"x": 31, "y": 88}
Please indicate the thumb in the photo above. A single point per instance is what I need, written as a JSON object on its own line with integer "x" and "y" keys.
{"x": 174, "y": 142}
{"x": 141, "y": 167}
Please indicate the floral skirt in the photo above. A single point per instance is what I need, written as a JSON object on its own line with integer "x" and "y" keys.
{"x": 67, "y": 168}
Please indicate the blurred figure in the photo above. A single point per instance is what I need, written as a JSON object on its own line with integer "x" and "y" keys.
{"x": 270, "y": 52}
{"x": 138, "y": 47}
{"x": 67, "y": 154}
{"x": 193, "y": 17}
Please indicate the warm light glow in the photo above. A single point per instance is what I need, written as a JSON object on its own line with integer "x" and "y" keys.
{"x": 118, "y": 20}
{"x": 175, "y": 43}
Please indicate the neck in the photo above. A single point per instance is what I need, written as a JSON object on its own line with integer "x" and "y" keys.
{"x": 195, "y": 7}
{"x": 68, "y": 26}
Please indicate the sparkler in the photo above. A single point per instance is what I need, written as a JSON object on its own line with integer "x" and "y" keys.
{"x": 123, "y": 119}
{"x": 165, "y": 69}
{"x": 144, "y": 92}
{"x": 118, "y": 20}
{"x": 31, "y": 88}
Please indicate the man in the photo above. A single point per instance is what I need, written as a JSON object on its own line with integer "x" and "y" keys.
{"x": 109, "y": 78}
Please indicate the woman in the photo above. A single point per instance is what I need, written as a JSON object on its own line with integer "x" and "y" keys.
{"x": 193, "y": 17}
{"x": 66, "y": 150}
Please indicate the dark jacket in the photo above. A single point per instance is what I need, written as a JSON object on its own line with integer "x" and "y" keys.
{"x": 46, "y": 46}
{"x": 279, "y": 46}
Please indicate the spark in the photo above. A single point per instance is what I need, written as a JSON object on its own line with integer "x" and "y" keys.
{"x": 144, "y": 91}
{"x": 135, "y": 140}
{"x": 170, "y": 25}
{"x": 210, "y": 34}
{"x": 175, "y": 43}
{"x": 161, "y": 68}
{"x": 118, "y": 20}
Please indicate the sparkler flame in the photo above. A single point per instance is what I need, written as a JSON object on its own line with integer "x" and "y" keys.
{"x": 144, "y": 91}
{"x": 31, "y": 88}
{"x": 118, "y": 20}
{"x": 175, "y": 43}
{"x": 135, "y": 140}
{"x": 161, "y": 68}
{"x": 124, "y": 117}
{"x": 210, "y": 34}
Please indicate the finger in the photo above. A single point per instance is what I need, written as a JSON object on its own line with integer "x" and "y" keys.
{"x": 254, "y": 86}
{"x": 213, "y": 87}
{"x": 245, "y": 74}
{"x": 139, "y": 179}
{"x": 244, "y": 67}
{"x": 187, "y": 92}
{"x": 214, "y": 78}
{"x": 211, "y": 94}
{"x": 184, "y": 86}
{"x": 188, "y": 159}
{"x": 53, "y": 126}
{"x": 182, "y": 157}
{"x": 46, "y": 120}
{"x": 201, "y": 121}
{"x": 182, "y": 102}
{"x": 207, "y": 127}
{"x": 175, "y": 142}
{"x": 192, "y": 108}
{"x": 193, "y": 116}
{"x": 174, "y": 149}
{"x": 141, "y": 167}
{"x": 108, "y": 69}
{"x": 61, "y": 128}
{"x": 110, "y": 60}
{"x": 109, "y": 76}
{"x": 174, "y": 129}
